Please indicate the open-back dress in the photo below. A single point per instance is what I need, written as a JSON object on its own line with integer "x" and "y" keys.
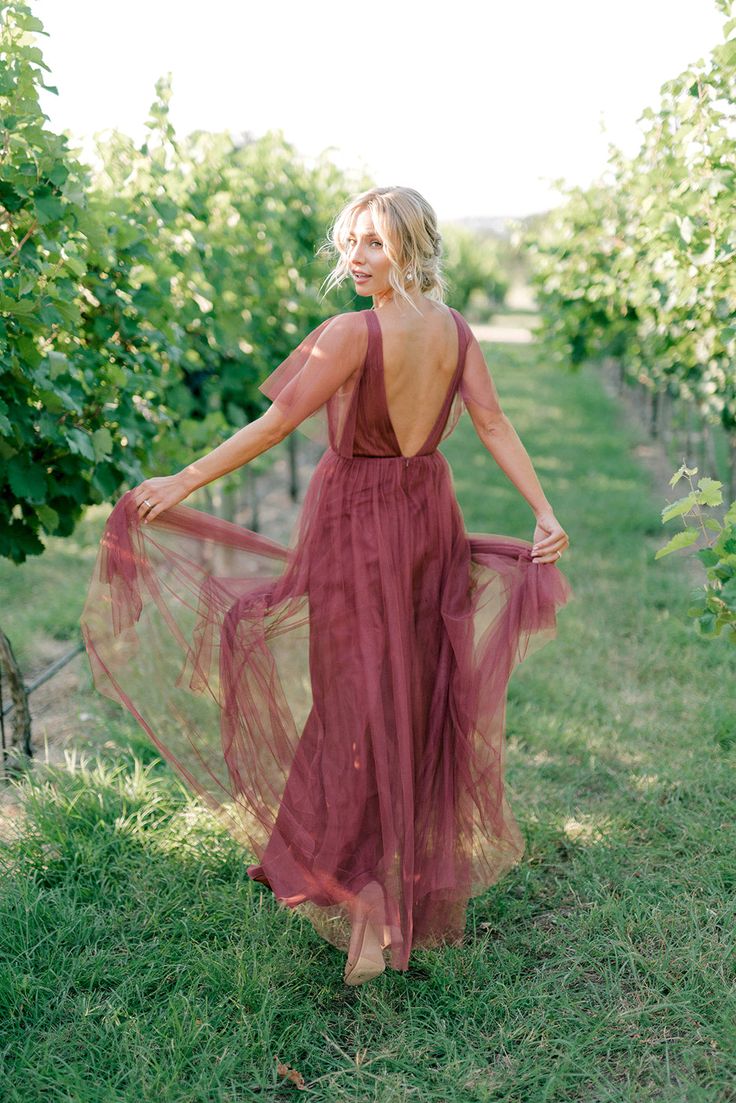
{"x": 338, "y": 702}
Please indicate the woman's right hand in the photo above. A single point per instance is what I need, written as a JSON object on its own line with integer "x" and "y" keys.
{"x": 156, "y": 495}
{"x": 550, "y": 539}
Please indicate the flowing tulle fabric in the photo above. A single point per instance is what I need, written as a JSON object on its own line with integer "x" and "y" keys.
{"x": 337, "y": 701}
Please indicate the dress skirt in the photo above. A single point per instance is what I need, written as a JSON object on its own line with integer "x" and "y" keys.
{"x": 338, "y": 702}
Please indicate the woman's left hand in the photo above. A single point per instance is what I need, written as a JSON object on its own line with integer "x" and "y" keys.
{"x": 550, "y": 539}
{"x": 154, "y": 496}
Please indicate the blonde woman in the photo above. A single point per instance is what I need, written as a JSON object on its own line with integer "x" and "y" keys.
{"x": 339, "y": 701}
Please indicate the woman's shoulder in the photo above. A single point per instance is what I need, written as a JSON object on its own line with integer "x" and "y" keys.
{"x": 355, "y": 318}
{"x": 337, "y": 327}
{"x": 341, "y": 335}
{"x": 463, "y": 323}
{"x": 459, "y": 316}
{"x": 450, "y": 312}
{"x": 347, "y": 324}
{"x": 452, "y": 318}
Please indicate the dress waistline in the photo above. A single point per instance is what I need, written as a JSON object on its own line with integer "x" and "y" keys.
{"x": 416, "y": 458}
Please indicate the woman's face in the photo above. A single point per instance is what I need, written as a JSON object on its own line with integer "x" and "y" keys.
{"x": 369, "y": 266}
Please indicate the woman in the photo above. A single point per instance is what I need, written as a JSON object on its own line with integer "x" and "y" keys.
{"x": 339, "y": 702}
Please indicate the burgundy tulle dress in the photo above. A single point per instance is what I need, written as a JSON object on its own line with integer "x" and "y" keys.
{"x": 338, "y": 702}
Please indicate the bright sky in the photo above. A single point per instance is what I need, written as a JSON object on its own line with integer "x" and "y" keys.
{"x": 480, "y": 106}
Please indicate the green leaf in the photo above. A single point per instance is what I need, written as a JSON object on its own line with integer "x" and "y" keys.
{"x": 15, "y": 306}
{"x": 116, "y": 375}
{"x": 709, "y": 492}
{"x": 681, "y": 540}
{"x": 706, "y": 625}
{"x": 677, "y": 475}
{"x": 105, "y": 479}
{"x": 49, "y": 207}
{"x": 76, "y": 265}
{"x": 728, "y": 592}
{"x": 102, "y": 443}
{"x": 27, "y": 480}
{"x": 80, "y": 443}
{"x": 28, "y": 22}
{"x": 165, "y": 208}
{"x": 49, "y": 518}
{"x": 725, "y": 53}
{"x": 22, "y": 541}
{"x": 69, "y": 312}
{"x": 58, "y": 174}
{"x": 57, "y": 362}
{"x": 708, "y": 556}
{"x": 682, "y": 505}
{"x": 56, "y": 401}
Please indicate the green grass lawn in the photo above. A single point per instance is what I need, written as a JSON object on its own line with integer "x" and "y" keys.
{"x": 139, "y": 962}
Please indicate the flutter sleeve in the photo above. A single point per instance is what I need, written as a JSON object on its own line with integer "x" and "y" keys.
{"x": 313, "y": 386}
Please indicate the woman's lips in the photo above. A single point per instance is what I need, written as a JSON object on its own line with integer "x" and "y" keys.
{"x": 360, "y": 276}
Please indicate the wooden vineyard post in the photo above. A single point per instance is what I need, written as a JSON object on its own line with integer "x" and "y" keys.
{"x": 21, "y": 723}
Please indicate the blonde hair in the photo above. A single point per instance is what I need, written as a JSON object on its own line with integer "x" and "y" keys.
{"x": 411, "y": 240}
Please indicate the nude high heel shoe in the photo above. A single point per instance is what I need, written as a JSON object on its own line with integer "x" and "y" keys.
{"x": 365, "y": 957}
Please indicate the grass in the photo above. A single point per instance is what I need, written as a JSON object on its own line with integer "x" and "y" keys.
{"x": 139, "y": 962}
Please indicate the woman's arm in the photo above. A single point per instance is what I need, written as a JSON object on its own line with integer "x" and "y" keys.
{"x": 156, "y": 495}
{"x": 242, "y": 447}
{"x": 499, "y": 437}
{"x": 302, "y": 385}
{"x": 495, "y": 431}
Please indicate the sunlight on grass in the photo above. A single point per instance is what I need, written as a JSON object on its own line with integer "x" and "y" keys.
{"x": 645, "y": 781}
{"x": 588, "y": 829}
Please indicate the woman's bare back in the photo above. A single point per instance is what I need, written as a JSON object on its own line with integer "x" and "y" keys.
{"x": 420, "y": 356}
